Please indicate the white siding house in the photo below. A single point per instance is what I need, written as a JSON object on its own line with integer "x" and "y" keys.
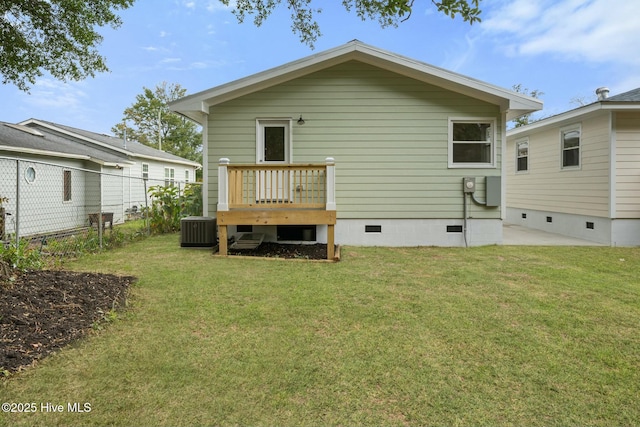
{"x": 402, "y": 134}
{"x": 61, "y": 175}
{"x": 578, "y": 173}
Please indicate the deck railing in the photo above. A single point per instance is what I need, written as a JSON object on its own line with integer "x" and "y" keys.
{"x": 302, "y": 186}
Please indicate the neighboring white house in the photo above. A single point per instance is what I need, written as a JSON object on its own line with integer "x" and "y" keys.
{"x": 403, "y": 135}
{"x": 578, "y": 173}
{"x": 64, "y": 174}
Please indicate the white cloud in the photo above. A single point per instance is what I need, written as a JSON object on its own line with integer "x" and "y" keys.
{"x": 598, "y": 31}
{"x": 53, "y": 94}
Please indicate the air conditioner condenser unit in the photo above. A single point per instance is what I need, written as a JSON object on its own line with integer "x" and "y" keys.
{"x": 198, "y": 231}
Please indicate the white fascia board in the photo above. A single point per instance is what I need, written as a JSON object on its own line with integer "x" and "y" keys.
{"x": 555, "y": 120}
{"x": 575, "y": 114}
{"x": 107, "y": 146}
{"x": 161, "y": 160}
{"x": 77, "y": 136}
{"x": 508, "y": 101}
{"x": 46, "y": 153}
{"x": 625, "y": 106}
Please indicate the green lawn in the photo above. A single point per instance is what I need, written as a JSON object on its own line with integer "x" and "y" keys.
{"x": 388, "y": 336}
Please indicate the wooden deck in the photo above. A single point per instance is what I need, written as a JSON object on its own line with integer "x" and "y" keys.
{"x": 276, "y": 195}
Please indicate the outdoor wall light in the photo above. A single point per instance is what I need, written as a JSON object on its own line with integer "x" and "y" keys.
{"x": 300, "y": 120}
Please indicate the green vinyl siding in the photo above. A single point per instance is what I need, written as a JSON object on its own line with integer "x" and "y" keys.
{"x": 388, "y": 134}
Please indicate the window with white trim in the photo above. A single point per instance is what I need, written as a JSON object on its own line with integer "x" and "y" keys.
{"x": 186, "y": 175}
{"x": 30, "y": 174}
{"x": 471, "y": 142}
{"x": 570, "y": 140}
{"x": 145, "y": 171}
{"x": 169, "y": 176}
{"x": 522, "y": 155}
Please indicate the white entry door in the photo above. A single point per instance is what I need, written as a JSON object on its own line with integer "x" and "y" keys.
{"x": 273, "y": 147}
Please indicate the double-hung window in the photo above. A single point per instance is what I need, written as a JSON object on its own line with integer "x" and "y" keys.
{"x": 145, "y": 171}
{"x": 472, "y": 142}
{"x": 570, "y": 140}
{"x": 169, "y": 176}
{"x": 522, "y": 155}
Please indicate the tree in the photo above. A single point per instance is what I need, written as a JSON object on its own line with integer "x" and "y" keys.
{"x": 150, "y": 122}
{"x": 526, "y": 119}
{"x": 386, "y": 12}
{"x": 57, "y": 36}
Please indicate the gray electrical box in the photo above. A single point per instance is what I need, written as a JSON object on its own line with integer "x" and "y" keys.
{"x": 493, "y": 187}
{"x": 468, "y": 184}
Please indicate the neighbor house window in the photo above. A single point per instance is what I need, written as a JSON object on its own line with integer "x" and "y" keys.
{"x": 169, "y": 176}
{"x": 471, "y": 142}
{"x": 522, "y": 155}
{"x": 30, "y": 174}
{"x": 570, "y": 147}
{"x": 145, "y": 171}
{"x": 66, "y": 185}
{"x": 186, "y": 176}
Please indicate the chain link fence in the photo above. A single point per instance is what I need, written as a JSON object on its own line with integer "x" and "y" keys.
{"x": 65, "y": 209}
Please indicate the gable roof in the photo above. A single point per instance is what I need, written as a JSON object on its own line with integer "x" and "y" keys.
{"x": 625, "y": 101}
{"x": 197, "y": 105}
{"x": 630, "y": 96}
{"x": 47, "y": 138}
{"x": 23, "y": 139}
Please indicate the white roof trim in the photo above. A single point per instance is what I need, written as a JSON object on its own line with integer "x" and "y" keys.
{"x": 62, "y": 155}
{"x": 108, "y": 146}
{"x": 45, "y": 153}
{"x": 574, "y": 114}
{"x": 511, "y": 102}
{"x": 24, "y": 128}
{"x": 74, "y": 135}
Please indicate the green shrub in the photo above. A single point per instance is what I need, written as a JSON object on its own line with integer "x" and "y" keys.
{"x": 165, "y": 210}
{"x": 21, "y": 255}
{"x": 192, "y": 200}
{"x": 168, "y": 206}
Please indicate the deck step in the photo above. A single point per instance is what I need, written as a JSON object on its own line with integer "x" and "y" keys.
{"x": 248, "y": 241}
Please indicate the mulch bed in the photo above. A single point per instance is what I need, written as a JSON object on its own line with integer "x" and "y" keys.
{"x": 42, "y": 311}
{"x": 288, "y": 251}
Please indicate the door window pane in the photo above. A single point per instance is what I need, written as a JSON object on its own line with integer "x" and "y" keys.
{"x": 274, "y": 144}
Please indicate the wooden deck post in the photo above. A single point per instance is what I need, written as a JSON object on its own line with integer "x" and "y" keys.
{"x": 223, "y": 184}
{"x": 331, "y": 251}
{"x": 331, "y": 183}
{"x": 222, "y": 239}
{"x": 331, "y": 204}
{"x": 223, "y": 202}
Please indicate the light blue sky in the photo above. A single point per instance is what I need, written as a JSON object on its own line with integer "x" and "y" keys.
{"x": 565, "y": 48}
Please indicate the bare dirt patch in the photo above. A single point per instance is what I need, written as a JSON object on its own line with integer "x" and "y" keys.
{"x": 42, "y": 311}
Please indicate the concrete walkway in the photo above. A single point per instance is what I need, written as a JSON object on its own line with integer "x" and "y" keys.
{"x": 514, "y": 235}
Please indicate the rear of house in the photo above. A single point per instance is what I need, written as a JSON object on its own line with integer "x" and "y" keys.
{"x": 578, "y": 173}
{"x": 402, "y": 135}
